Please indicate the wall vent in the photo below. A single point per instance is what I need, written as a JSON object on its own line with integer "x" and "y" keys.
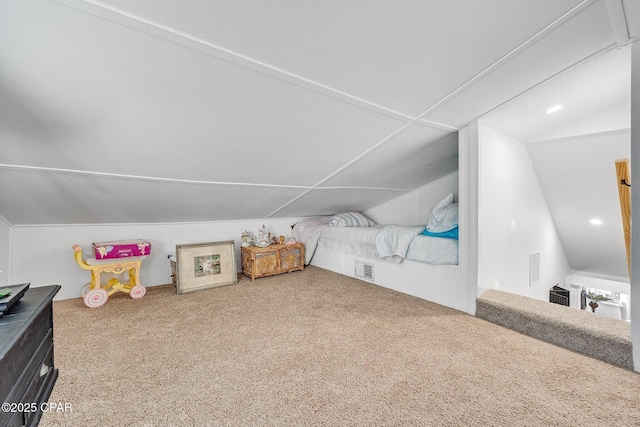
{"x": 534, "y": 269}
{"x": 363, "y": 270}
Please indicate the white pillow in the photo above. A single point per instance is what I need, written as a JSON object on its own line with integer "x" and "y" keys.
{"x": 443, "y": 216}
{"x": 351, "y": 219}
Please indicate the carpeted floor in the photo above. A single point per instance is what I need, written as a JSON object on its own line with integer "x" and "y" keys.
{"x": 582, "y": 331}
{"x": 317, "y": 348}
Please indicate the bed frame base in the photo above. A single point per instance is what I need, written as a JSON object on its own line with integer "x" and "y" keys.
{"x": 443, "y": 284}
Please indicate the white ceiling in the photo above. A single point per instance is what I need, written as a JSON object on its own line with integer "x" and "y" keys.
{"x": 578, "y": 178}
{"x": 165, "y": 111}
{"x": 574, "y": 151}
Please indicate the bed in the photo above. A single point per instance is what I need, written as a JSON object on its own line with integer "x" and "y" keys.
{"x": 353, "y": 233}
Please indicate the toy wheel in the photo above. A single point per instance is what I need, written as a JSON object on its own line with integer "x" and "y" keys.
{"x": 137, "y": 291}
{"x": 85, "y": 289}
{"x": 95, "y": 298}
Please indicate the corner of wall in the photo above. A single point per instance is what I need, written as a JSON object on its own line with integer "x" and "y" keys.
{"x": 413, "y": 208}
{"x": 635, "y": 199}
{"x": 468, "y": 205}
{"x": 6, "y": 238}
{"x": 509, "y": 196}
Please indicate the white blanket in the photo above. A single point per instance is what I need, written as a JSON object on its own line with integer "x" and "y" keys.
{"x": 389, "y": 243}
{"x": 307, "y": 232}
{"x": 359, "y": 241}
{"x": 394, "y": 241}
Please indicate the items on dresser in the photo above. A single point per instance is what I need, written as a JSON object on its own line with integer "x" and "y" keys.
{"x": 271, "y": 260}
{"x": 11, "y": 296}
{"x": 27, "y": 367}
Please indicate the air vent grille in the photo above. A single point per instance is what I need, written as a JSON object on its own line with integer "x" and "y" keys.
{"x": 363, "y": 270}
{"x": 534, "y": 269}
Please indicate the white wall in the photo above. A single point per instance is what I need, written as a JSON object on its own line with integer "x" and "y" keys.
{"x": 5, "y": 250}
{"x": 43, "y": 255}
{"x": 635, "y": 201}
{"x": 413, "y": 208}
{"x": 513, "y": 220}
{"x": 468, "y": 208}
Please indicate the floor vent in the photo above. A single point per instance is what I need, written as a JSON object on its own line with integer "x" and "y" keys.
{"x": 363, "y": 270}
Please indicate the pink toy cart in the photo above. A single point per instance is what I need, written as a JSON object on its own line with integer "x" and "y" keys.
{"x": 95, "y": 295}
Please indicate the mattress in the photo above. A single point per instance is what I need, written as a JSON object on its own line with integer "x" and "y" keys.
{"x": 361, "y": 241}
{"x": 433, "y": 250}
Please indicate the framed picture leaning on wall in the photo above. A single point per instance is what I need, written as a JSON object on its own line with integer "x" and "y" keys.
{"x": 205, "y": 265}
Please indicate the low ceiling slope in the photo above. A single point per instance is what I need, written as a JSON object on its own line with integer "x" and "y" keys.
{"x": 573, "y": 152}
{"x": 192, "y": 110}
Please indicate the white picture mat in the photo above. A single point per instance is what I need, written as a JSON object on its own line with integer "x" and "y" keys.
{"x": 187, "y": 281}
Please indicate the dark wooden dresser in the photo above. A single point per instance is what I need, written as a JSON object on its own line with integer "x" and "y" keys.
{"x": 27, "y": 372}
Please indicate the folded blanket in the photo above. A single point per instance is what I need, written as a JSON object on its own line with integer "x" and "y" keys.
{"x": 394, "y": 241}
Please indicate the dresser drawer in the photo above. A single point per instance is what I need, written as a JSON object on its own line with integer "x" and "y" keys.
{"x": 12, "y": 419}
{"x": 26, "y": 343}
{"x": 40, "y": 384}
{"x": 31, "y": 370}
{"x": 266, "y": 263}
{"x": 291, "y": 260}
{"x": 38, "y": 389}
{"x": 14, "y": 379}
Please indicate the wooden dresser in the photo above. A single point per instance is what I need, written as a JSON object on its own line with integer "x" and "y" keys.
{"x": 274, "y": 259}
{"x": 27, "y": 372}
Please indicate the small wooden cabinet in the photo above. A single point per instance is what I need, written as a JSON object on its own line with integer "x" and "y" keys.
{"x": 274, "y": 259}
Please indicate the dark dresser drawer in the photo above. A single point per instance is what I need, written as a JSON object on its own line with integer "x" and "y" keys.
{"x": 19, "y": 356}
{"x": 14, "y": 420}
{"x": 40, "y": 386}
{"x": 26, "y": 357}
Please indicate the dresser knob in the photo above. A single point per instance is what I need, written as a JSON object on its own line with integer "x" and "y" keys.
{"x": 44, "y": 369}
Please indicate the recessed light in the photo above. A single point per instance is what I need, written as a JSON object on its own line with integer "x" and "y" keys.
{"x": 553, "y": 109}
{"x": 596, "y": 221}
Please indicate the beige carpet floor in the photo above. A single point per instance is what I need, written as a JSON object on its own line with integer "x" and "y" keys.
{"x": 578, "y": 330}
{"x": 315, "y": 348}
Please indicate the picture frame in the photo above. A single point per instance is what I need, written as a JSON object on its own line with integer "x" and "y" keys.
{"x": 205, "y": 265}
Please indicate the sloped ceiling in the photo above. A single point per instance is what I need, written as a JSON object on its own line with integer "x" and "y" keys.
{"x": 166, "y": 111}
{"x": 574, "y": 151}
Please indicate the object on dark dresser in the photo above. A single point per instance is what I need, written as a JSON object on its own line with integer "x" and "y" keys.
{"x": 26, "y": 357}
{"x": 17, "y": 291}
